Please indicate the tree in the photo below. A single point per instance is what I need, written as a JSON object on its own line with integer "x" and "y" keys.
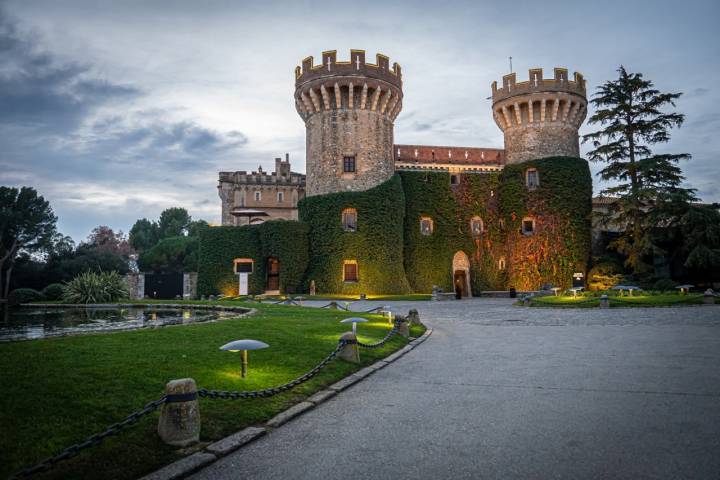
{"x": 104, "y": 239}
{"x": 197, "y": 226}
{"x": 27, "y": 223}
{"x": 171, "y": 255}
{"x": 631, "y": 112}
{"x": 173, "y": 222}
{"x": 143, "y": 235}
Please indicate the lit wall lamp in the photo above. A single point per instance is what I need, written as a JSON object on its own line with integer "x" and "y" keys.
{"x": 243, "y": 346}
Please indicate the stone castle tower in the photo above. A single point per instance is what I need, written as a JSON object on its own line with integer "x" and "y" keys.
{"x": 540, "y": 117}
{"x": 349, "y": 109}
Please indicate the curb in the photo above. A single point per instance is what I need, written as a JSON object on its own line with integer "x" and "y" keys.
{"x": 213, "y": 452}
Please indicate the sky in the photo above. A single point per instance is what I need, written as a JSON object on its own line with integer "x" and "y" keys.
{"x": 116, "y": 110}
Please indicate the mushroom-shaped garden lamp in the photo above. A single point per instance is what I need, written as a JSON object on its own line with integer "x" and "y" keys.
{"x": 684, "y": 288}
{"x": 243, "y": 346}
{"x": 354, "y": 321}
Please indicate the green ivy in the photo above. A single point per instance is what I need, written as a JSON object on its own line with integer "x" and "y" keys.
{"x": 429, "y": 258}
{"x": 282, "y": 239}
{"x": 377, "y": 245}
{"x": 561, "y": 206}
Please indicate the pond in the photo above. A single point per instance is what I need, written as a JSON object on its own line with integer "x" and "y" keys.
{"x": 41, "y": 322}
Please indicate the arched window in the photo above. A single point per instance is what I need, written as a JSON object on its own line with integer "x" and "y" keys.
{"x": 281, "y": 197}
{"x": 350, "y": 271}
{"x": 532, "y": 178}
{"x": 528, "y": 226}
{"x": 501, "y": 263}
{"x": 258, "y": 196}
{"x": 476, "y": 226}
{"x": 349, "y": 220}
{"x": 426, "y": 225}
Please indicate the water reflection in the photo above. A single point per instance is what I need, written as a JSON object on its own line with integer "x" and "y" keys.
{"x": 31, "y": 323}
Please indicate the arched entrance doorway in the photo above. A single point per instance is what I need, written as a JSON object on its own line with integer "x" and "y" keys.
{"x": 461, "y": 274}
{"x": 272, "y": 284}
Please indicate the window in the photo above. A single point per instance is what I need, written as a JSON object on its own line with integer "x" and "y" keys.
{"x": 454, "y": 179}
{"x": 258, "y": 196}
{"x": 532, "y": 179}
{"x": 349, "y": 220}
{"x": 426, "y": 225}
{"x": 281, "y": 197}
{"x": 243, "y": 265}
{"x": 501, "y": 263}
{"x": 349, "y": 164}
{"x": 350, "y": 271}
{"x": 528, "y": 226}
{"x": 476, "y": 227}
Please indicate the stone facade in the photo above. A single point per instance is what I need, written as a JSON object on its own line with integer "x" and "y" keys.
{"x": 276, "y": 194}
{"x": 348, "y": 109}
{"x": 540, "y": 117}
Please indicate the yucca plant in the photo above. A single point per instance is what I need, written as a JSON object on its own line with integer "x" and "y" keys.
{"x": 95, "y": 287}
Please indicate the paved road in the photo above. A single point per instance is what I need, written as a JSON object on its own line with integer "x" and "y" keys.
{"x": 515, "y": 393}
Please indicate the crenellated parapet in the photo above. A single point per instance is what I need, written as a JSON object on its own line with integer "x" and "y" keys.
{"x": 348, "y": 85}
{"x": 540, "y": 117}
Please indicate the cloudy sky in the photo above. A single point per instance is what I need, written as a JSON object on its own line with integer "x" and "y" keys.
{"x": 115, "y": 110}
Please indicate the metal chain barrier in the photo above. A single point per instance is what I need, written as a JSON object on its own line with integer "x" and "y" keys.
{"x": 386, "y": 339}
{"x": 269, "y": 392}
{"x": 91, "y": 441}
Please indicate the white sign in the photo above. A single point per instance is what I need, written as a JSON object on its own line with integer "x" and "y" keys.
{"x": 243, "y": 290}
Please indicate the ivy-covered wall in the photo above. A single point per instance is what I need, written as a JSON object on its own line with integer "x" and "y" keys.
{"x": 376, "y": 245}
{"x": 429, "y": 258}
{"x": 282, "y": 239}
{"x": 561, "y": 206}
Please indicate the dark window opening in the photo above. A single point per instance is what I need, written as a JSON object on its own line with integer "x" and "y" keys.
{"x": 349, "y": 164}
{"x": 350, "y": 272}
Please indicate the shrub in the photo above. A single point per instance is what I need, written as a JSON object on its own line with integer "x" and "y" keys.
{"x": 664, "y": 284}
{"x": 54, "y": 291}
{"x": 24, "y": 295}
{"x": 91, "y": 287}
{"x": 604, "y": 276}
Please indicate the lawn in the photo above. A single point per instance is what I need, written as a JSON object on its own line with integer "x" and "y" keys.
{"x": 60, "y": 390}
{"x": 658, "y": 300}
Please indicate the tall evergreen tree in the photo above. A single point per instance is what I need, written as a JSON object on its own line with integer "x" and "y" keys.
{"x": 631, "y": 113}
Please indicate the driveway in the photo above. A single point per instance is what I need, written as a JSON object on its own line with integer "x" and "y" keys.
{"x": 514, "y": 393}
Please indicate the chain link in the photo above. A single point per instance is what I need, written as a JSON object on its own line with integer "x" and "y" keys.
{"x": 386, "y": 339}
{"x": 269, "y": 392}
{"x": 91, "y": 441}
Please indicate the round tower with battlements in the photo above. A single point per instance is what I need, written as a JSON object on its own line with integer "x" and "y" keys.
{"x": 540, "y": 117}
{"x": 349, "y": 109}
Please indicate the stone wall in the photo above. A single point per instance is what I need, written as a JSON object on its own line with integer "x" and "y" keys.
{"x": 334, "y": 134}
{"x": 190, "y": 285}
{"x": 529, "y": 142}
{"x": 136, "y": 285}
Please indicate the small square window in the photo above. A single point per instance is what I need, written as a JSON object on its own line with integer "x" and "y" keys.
{"x": 258, "y": 196}
{"x": 426, "y": 226}
{"x": 349, "y": 164}
{"x": 528, "y": 226}
{"x": 350, "y": 271}
{"x": 281, "y": 197}
{"x": 476, "y": 227}
{"x": 532, "y": 179}
{"x": 349, "y": 220}
{"x": 454, "y": 179}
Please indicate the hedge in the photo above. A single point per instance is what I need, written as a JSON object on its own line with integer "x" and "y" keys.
{"x": 428, "y": 258}
{"x": 561, "y": 206}
{"x": 282, "y": 239}
{"x": 376, "y": 245}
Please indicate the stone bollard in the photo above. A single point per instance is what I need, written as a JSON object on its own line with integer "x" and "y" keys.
{"x": 349, "y": 352}
{"x": 179, "y": 423}
{"x": 414, "y": 317}
{"x": 404, "y": 329}
{"x": 604, "y": 301}
{"x": 709, "y": 297}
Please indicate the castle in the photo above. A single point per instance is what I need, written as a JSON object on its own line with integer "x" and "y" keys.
{"x": 378, "y": 217}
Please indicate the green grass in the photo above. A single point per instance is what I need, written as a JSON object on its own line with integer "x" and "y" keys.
{"x": 658, "y": 300}
{"x": 60, "y": 390}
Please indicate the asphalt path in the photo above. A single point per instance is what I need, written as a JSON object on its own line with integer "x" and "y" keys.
{"x": 508, "y": 392}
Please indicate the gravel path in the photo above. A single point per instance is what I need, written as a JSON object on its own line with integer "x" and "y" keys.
{"x": 514, "y": 393}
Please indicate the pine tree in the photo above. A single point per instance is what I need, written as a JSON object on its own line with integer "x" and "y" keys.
{"x": 647, "y": 185}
